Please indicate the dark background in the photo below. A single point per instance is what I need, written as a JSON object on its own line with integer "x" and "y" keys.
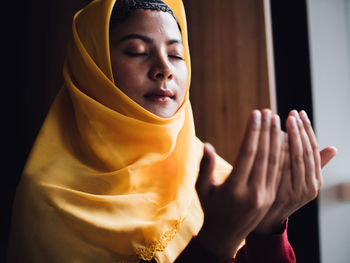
{"x": 34, "y": 39}
{"x": 33, "y": 28}
{"x": 293, "y": 81}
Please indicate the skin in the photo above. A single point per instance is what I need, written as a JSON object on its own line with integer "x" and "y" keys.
{"x": 276, "y": 172}
{"x": 147, "y": 61}
{"x": 301, "y": 171}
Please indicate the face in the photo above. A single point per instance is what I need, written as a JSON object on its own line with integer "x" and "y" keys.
{"x": 147, "y": 57}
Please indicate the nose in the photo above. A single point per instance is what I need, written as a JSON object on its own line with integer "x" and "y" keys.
{"x": 160, "y": 69}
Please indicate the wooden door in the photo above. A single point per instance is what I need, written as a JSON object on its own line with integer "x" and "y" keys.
{"x": 231, "y": 53}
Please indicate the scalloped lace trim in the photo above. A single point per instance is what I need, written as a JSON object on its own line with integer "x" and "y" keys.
{"x": 148, "y": 253}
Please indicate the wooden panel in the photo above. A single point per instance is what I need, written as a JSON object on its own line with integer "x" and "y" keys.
{"x": 229, "y": 68}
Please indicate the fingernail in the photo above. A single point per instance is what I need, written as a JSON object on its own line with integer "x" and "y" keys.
{"x": 294, "y": 113}
{"x": 276, "y": 121}
{"x": 304, "y": 116}
{"x": 300, "y": 122}
{"x": 256, "y": 116}
{"x": 292, "y": 122}
{"x": 334, "y": 148}
{"x": 266, "y": 116}
{"x": 209, "y": 147}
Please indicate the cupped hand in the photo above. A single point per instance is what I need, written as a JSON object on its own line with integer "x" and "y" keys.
{"x": 233, "y": 209}
{"x": 301, "y": 173}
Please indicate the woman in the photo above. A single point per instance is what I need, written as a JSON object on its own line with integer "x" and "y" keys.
{"x": 112, "y": 174}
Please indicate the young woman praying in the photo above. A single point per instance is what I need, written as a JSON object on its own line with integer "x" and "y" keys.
{"x": 117, "y": 173}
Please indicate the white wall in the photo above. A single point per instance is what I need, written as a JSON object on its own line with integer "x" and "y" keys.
{"x": 329, "y": 29}
{"x": 347, "y": 6}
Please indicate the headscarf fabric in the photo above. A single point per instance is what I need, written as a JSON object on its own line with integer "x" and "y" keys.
{"x": 106, "y": 180}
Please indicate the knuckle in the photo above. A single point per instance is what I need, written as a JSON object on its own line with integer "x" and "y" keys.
{"x": 249, "y": 151}
{"x": 308, "y": 125}
{"x": 298, "y": 160}
{"x": 311, "y": 192}
{"x": 314, "y": 146}
{"x": 273, "y": 159}
{"x": 260, "y": 200}
{"x": 238, "y": 193}
{"x": 308, "y": 152}
{"x": 260, "y": 157}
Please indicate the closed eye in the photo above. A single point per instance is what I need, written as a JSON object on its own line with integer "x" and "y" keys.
{"x": 176, "y": 57}
{"x": 135, "y": 54}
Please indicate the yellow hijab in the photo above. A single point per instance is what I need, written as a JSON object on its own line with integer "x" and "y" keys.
{"x": 106, "y": 180}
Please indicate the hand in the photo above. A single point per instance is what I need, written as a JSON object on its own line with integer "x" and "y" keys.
{"x": 301, "y": 175}
{"x": 233, "y": 209}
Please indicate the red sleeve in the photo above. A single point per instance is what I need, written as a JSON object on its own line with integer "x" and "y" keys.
{"x": 266, "y": 249}
{"x": 258, "y": 249}
{"x": 195, "y": 252}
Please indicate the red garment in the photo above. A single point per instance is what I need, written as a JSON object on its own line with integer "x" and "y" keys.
{"x": 258, "y": 249}
{"x": 266, "y": 249}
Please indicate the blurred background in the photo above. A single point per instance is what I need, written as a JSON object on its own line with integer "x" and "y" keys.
{"x": 246, "y": 54}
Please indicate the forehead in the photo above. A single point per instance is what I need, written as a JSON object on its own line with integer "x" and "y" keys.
{"x": 154, "y": 23}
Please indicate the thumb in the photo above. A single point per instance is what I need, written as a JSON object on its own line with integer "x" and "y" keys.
{"x": 327, "y": 154}
{"x": 204, "y": 180}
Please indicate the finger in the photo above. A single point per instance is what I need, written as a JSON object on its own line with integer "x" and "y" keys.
{"x": 274, "y": 152}
{"x": 283, "y": 153}
{"x": 204, "y": 180}
{"x": 309, "y": 163}
{"x": 313, "y": 141}
{"x": 296, "y": 154}
{"x": 247, "y": 152}
{"x": 259, "y": 171}
{"x": 286, "y": 178}
{"x": 327, "y": 154}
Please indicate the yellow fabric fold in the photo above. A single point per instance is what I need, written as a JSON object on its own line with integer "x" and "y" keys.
{"x": 106, "y": 180}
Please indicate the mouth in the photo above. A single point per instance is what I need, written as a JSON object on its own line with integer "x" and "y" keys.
{"x": 160, "y": 96}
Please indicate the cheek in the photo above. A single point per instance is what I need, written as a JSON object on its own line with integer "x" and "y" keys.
{"x": 183, "y": 80}
{"x": 128, "y": 77}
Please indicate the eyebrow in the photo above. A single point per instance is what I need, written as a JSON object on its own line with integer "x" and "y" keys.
{"x": 148, "y": 39}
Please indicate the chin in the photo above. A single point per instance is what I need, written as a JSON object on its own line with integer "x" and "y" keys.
{"x": 164, "y": 113}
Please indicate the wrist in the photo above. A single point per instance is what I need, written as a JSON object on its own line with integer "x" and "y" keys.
{"x": 223, "y": 248}
{"x": 275, "y": 228}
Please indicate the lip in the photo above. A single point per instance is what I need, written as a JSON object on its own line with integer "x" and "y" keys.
{"x": 160, "y": 95}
